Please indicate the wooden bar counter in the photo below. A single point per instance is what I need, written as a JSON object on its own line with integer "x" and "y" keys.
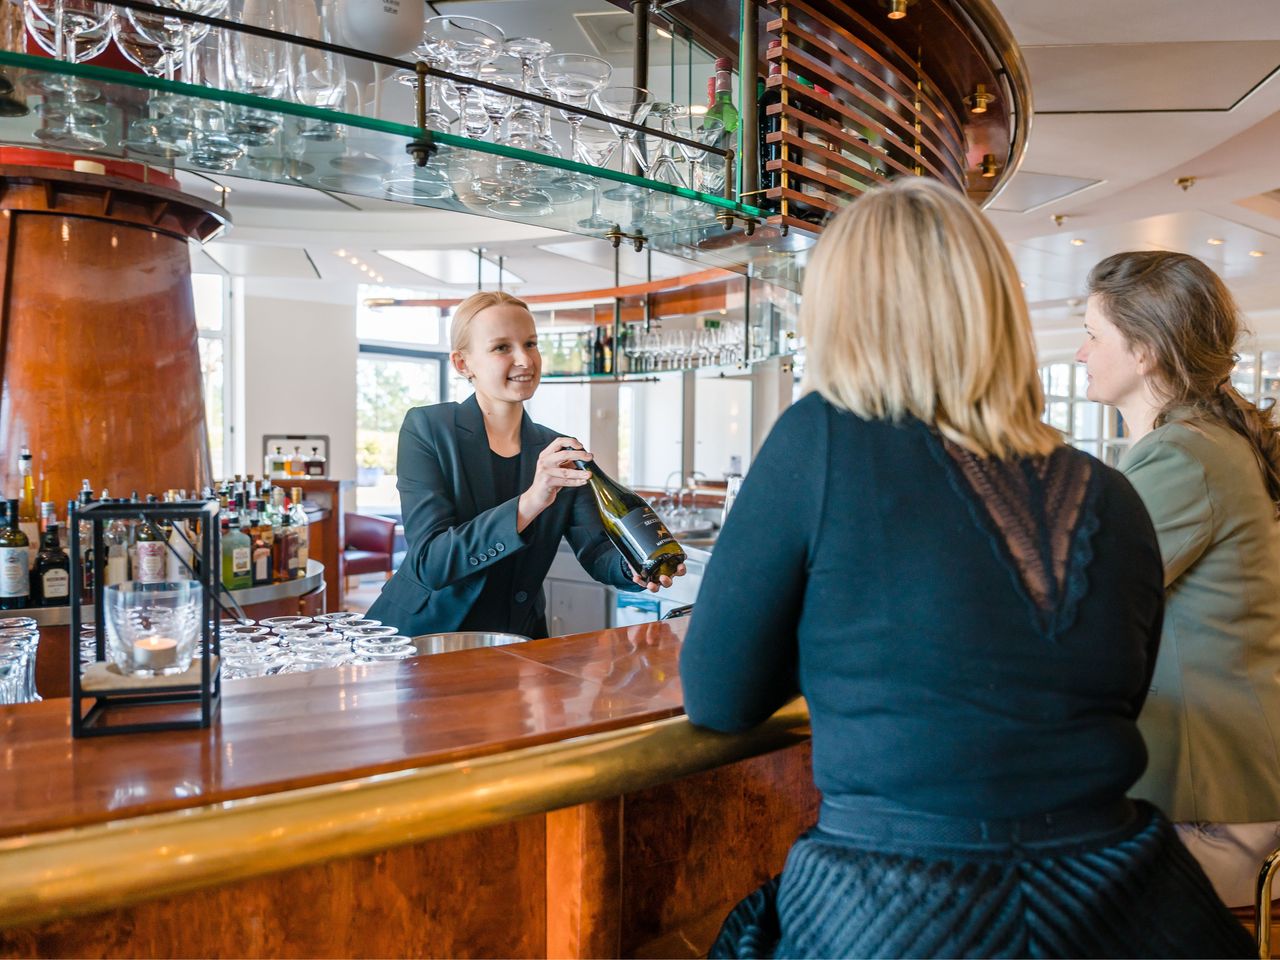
{"x": 541, "y": 799}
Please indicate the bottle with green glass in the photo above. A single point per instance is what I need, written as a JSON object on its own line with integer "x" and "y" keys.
{"x": 723, "y": 109}
{"x": 237, "y": 557}
{"x": 15, "y": 550}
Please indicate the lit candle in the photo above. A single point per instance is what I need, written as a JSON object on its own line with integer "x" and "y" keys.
{"x": 155, "y": 653}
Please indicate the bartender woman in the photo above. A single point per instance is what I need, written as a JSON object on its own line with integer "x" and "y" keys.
{"x": 487, "y": 494}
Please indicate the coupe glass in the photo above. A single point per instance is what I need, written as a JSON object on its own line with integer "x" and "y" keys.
{"x": 573, "y": 79}
{"x": 152, "y": 627}
{"x": 465, "y": 44}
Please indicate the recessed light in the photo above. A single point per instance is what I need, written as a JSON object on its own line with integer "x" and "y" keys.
{"x": 1077, "y": 242}
{"x": 1215, "y": 241}
{"x": 1257, "y": 253}
{"x": 341, "y": 253}
{"x": 353, "y": 260}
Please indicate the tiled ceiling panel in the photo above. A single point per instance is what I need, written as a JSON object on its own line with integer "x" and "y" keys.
{"x": 1148, "y": 76}
{"x": 1028, "y": 190}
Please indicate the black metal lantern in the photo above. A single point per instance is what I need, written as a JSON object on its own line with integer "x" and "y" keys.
{"x": 149, "y": 693}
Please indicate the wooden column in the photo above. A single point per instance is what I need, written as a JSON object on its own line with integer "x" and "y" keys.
{"x": 98, "y": 343}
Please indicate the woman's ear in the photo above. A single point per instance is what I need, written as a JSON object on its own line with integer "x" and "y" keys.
{"x": 459, "y": 361}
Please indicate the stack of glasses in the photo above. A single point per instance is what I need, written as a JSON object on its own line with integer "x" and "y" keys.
{"x": 298, "y": 644}
{"x": 19, "y": 637}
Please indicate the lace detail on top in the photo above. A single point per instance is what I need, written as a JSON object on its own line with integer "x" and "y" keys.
{"x": 1040, "y": 512}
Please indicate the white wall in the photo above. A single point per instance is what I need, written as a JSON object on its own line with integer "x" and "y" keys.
{"x": 299, "y": 376}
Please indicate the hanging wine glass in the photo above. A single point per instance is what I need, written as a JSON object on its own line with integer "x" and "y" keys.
{"x": 174, "y": 124}
{"x": 526, "y": 117}
{"x": 505, "y": 71}
{"x": 598, "y": 145}
{"x": 213, "y": 147}
{"x": 430, "y": 53}
{"x": 700, "y": 130}
{"x": 632, "y": 104}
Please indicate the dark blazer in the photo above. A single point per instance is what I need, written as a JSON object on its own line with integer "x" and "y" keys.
{"x": 456, "y": 529}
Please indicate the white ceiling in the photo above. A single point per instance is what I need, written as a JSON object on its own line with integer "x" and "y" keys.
{"x": 1183, "y": 66}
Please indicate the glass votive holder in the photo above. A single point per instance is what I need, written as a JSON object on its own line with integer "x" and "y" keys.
{"x": 18, "y": 623}
{"x": 152, "y": 628}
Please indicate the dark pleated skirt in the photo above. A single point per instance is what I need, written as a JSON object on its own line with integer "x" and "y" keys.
{"x": 1140, "y": 896}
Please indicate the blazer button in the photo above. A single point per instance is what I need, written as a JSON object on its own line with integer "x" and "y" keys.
{"x": 493, "y": 552}
{"x": 481, "y": 557}
{"x": 501, "y": 547}
{"x": 521, "y": 596}
{"x": 473, "y": 560}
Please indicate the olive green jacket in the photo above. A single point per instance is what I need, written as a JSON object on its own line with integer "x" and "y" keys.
{"x": 1212, "y": 719}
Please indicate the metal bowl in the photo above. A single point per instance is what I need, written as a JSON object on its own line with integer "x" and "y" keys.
{"x": 466, "y": 640}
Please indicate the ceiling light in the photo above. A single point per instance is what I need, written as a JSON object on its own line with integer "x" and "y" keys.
{"x": 980, "y": 99}
{"x": 664, "y": 34}
{"x": 1077, "y": 242}
{"x": 988, "y": 167}
{"x": 1215, "y": 241}
{"x": 897, "y": 9}
{"x": 364, "y": 268}
{"x": 354, "y": 260}
{"x": 1257, "y": 253}
{"x": 341, "y": 253}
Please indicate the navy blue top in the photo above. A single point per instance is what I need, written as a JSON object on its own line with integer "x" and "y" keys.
{"x": 858, "y": 567}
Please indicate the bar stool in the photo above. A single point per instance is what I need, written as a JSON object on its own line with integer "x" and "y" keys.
{"x": 1262, "y": 902}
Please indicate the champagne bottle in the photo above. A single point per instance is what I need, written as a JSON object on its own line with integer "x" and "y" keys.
{"x": 15, "y": 574}
{"x": 643, "y": 540}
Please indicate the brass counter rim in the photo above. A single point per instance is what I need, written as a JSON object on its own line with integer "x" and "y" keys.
{"x": 81, "y": 870}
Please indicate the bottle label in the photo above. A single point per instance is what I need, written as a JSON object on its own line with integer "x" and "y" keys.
{"x": 262, "y": 565}
{"x": 55, "y": 585}
{"x": 240, "y": 561}
{"x": 149, "y": 563}
{"x": 15, "y": 576}
{"x": 645, "y": 532}
{"x": 117, "y": 566}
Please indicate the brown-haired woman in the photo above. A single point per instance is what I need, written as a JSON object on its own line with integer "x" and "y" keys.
{"x": 1162, "y": 330}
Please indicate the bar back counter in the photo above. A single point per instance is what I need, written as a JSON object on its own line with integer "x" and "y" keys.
{"x": 540, "y": 799}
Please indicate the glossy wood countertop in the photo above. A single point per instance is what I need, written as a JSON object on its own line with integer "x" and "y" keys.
{"x": 295, "y": 730}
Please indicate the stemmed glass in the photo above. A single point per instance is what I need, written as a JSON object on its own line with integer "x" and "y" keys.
{"x": 318, "y": 77}
{"x": 525, "y": 119}
{"x": 573, "y": 79}
{"x": 707, "y": 131}
{"x": 213, "y": 147}
{"x": 632, "y": 104}
{"x": 466, "y": 44}
{"x": 72, "y": 30}
{"x": 664, "y": 168}
{"x": 257, "y": 67}
{"x": 598, "y": 145}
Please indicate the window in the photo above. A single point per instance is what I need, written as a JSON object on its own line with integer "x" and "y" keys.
{"x": 1092, "y": 427}
{"x": 211, "y": 294}
{"x": 403, "y": 364}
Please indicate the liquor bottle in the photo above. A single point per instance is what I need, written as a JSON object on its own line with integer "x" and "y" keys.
{"x": 766, "y": 124}
{"x": 53, "y": 571}
{"x": 297, "y": 463}
{"x": 179, "y": 559}
{"x": 598, "y": 363}
{"x": 28, "y": 515}
{"x": 149, "y": 552}
{"x": 723, "y": 109}
{"x": 284, "y": 548}
{"x": 640, "y": 536}
{"x": 15, "y": 574}
{"x": 301, "y": 533}
{"x": 85, "y": 558}
{"x": 48, "y": 515}
{"x": 237, "y": 557}
{"x": 276, "y": 464}
{"x": 316, "y": 464}
{"x": 115, "y": 543}
{"x": 259, "y": 545}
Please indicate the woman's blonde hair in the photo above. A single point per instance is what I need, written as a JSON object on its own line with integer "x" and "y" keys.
{"x": 912, "y": 307}
{"x": 465, "y": 312}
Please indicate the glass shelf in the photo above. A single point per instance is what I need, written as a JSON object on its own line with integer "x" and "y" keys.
{"x": 365, "y": 156}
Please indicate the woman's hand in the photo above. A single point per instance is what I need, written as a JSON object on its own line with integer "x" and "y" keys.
{"x": 652, "y": 586}
{"x": 554, "y": 471}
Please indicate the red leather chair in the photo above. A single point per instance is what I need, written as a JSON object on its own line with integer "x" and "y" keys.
{"x": 369, "y": 547}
